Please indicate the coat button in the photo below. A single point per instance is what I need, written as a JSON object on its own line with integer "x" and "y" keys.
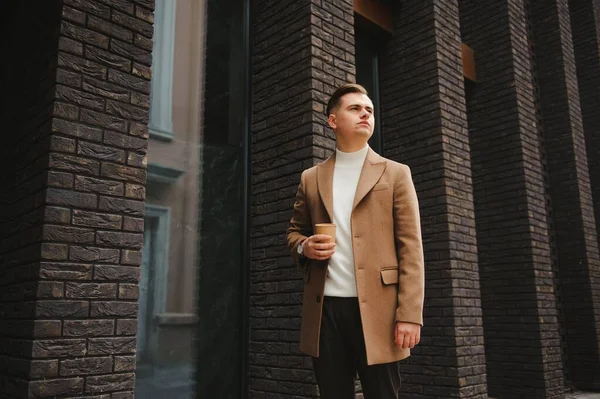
{"x": 318, "y": 298}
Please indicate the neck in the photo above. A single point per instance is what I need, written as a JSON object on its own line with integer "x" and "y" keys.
{"x": 350, "y": 147}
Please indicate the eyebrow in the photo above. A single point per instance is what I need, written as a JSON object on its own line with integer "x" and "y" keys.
{"x": 358, "y": 105}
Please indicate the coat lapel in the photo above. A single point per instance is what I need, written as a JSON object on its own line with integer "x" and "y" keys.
{"x": 325, "y": 184}
{"x": 371, "y": 172}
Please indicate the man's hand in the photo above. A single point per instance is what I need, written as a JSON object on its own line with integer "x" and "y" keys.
{"x": 318, "y": 247}
{"x": 407, "y": 335}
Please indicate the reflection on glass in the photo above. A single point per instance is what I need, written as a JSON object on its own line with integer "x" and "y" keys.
{"x": 167, "y": 320}
{"x": 191, "y": 322}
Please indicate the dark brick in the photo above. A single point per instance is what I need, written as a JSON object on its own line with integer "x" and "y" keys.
{"x": 118, "y": 205}
{"x": 117, "y": 273}
{"x": 124, "y": 141}
{"x": 127, "y": 327}
{"x": 101, "y": 152}
{"x": 105, "y": 89}
{"x": 82, "y": 98}
{"x": 139, "y": 99}
{"x": 68, "y": 234}
{"x": 135, "y": 191}
{"x": 65, "y": 271}
{"x": 108, "y": 383}
{"x": 73, "y": 15}
{"x": 82, "y": 66}
{"x": 68, "y": 78}
{"x": 84, "y": 35}
{"x": 124, "y": 363}
{"x": 70, "y": 46}
{"x": 88, "y": 328}
{"x": 111, "y": 346}
{"x": 129, "y": 257}
{"x": 130, "y": 81}
{"x": 128, "y": 291}
{"x": 74, "y": 164}
{"x": 62, "y": 144}
{"x": 108, "y": 59}
{"x": 66, "y": 111}
{"x": 122, "y": 395}
{"x": 114, "y": 308}
{"x": 76, "y": 130}
{"x": 86, "y": 366}
{"x": 121, "y": 172}
{"x": 122, "y": 5}
{"x": 133, "y": 224}
{"x": 49, "y": 290}
{"x": 137, "y": 160}
{"x": 42, "y": 369}
{"x": 103, "y": 120}
{"x": 59, "y": 348}
{"x": 60, "y": 309}
{"x": 99, "y": 186}
{"x": 139, "y": 130}
{"x": 47, "y": 328}
{"x": 90, "y": 290}
{"x": 57, "y": 215}
{"x": 110, "y": 29}
{"x": 97, "y": 220}
{"x": 60, "y": 179}
{"x": 120, "y": 240}
{"x": 70, "y": 198}
{"x": 55, "y": 388}
{"x": 93, "y": 254}
{"x": 93, "y": 8}
{"x": 135, "y": 24}
{"x": 142, "y": 42}
{"x": 142, "y": 71}
{"x": 54, "y": 251}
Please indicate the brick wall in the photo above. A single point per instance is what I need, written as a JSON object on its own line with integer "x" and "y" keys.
{"x": 519, "y": 309}
{"x": 585, "y": 23}
{"x": 302, "y": 51}
{"x": 27, "y": 116}
{"x": 572, "y": 205}
{"x": 425, "y": 126}
{"x": 87, "y": 267}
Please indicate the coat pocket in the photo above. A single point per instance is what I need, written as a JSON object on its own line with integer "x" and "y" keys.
{"x": 389, "y": 275}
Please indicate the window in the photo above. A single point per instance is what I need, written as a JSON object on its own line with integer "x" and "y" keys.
{"x": 161, "y": 97}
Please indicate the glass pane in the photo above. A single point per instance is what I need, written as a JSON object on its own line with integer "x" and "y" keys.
{"x": 191, "y": 314}
{"x": 367, "y": 44}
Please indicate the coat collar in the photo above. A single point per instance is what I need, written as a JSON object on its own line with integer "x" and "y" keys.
{"x": 372, "y": 170}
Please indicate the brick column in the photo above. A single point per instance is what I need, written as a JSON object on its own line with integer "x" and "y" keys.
{"x": 303, "y": 50}
{"x": 81, "y": 302}
{"x": 519, "y": 308}
{"x": 585, "y": 25}
{"x": 425, "y": 126}
{"x": 571, "y": 191}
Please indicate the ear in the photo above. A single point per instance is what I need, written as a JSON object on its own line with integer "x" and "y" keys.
{"x": 331, "y": 121}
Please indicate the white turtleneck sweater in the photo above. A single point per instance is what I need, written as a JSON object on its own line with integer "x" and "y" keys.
{"x": 341, "y": 281}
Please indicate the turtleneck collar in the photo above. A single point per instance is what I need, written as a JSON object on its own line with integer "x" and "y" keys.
{"x": 351, "y": 159}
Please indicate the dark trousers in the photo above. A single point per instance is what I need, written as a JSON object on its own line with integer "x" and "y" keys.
{"x": 342, "y": 354}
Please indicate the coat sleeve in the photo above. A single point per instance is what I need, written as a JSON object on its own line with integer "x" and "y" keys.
{"x": 300, "y": 225}
{"x": 409, "y": 250}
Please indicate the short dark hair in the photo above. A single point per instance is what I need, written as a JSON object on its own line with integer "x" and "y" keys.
{"x": 336, "y": 97}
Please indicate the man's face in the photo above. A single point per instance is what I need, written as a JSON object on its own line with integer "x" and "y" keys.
{"x": 353, "y": 119}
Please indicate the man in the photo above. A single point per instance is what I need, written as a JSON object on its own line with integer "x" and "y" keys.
{"x": 363, "y": 295}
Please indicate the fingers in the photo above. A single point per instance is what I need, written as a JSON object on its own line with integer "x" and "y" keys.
{"x": 323, "y": 238}
{"x": 322, "y": 255}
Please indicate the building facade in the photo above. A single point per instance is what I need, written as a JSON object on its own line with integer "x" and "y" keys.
{"x": 152, "y": 153}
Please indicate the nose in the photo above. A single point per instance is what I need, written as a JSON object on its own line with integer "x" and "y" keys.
{"x": 364, "y": 114}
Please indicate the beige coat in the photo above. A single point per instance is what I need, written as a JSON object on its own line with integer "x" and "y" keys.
{"x": 388, "y": 252}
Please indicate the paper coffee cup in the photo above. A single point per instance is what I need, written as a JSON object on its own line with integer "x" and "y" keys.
{"x": 327, "y": 229}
